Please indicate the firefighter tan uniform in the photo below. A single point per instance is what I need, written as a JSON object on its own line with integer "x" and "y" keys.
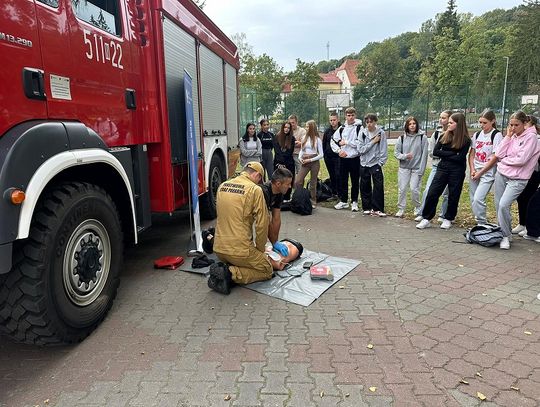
{"x": 240, "y": 205}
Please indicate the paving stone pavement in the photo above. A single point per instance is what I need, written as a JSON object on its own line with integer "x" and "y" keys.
{"x": 439, "y": 314}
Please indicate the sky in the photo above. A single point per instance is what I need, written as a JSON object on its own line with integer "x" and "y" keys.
{"x": 291, "y": 29}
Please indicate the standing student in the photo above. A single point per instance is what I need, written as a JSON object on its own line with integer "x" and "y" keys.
{"x": 443, "y": 125}
{"x": 331, "y": 159}
{"x": 530, "y": 189}
{"x": 250, "y": 146}
{"x": 411, "y": 151}
{"x": 298, "y": 133}
{"x": 482, "y": 162}
{"x": 345, "y": 142}
{"x": 373, "y": 152}
{"x": 311, "y": 152}
{"x": 283, "y": 153}
{"x": 518, "y": 156}
{"x": 267, "y": 143}
{"x": 452, "y": 149}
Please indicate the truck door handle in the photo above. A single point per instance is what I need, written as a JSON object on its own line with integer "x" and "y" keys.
{"x": 33, "y": 83}
{"x": 130, "y": 99}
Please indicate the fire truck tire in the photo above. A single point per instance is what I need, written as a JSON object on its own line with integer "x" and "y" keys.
{"x": 66, "y": 274}
{"x": 216, "y": 176}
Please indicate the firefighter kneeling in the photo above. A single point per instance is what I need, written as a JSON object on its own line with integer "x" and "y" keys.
{"x": 241, "y": 205}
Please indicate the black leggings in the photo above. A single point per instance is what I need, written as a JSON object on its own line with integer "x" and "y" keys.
{"x": 525, "y": 196}
{"x": 454, "y": 179}
{"x": 533, "y": 215}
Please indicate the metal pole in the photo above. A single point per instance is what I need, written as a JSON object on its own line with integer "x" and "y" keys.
{"x": 504, "y": 92}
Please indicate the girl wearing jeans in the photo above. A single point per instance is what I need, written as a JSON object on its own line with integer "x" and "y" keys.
{"x": 311, "y": 151}
{"x": 518, "y": 155}
{"x": 482, "y": 162}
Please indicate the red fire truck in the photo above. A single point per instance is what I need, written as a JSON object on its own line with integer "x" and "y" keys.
{"x": 93, "y": 140}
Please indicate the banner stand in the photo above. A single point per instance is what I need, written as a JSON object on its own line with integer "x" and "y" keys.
{"x": 195, "y": 247}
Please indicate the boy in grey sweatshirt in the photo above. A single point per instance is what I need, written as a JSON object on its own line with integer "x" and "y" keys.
{"x": 411, "y": 151}
{"x": 373, "y": 151}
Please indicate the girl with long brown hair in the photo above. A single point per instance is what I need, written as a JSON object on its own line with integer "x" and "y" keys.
{"x": 311, "y": 151}
{"x": 283, "y": 152}
{"x": 451, "y": 148}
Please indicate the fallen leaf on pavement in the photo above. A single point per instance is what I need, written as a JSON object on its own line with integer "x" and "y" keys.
{"x": 527, "y": 333}
{"x": 227, "y": 397}
{"x": 347, "y": 394}
{"x": 514, "y": 388}
{"x": 322, "y": 394}
{"x": 464, "y": 381}
{"x": 480, "y": 396}
{"x": 373, "y": 389}
{"x": 370, "y": 346}
{"x": 460, "y": 265}
{"x": 479, "y": 374}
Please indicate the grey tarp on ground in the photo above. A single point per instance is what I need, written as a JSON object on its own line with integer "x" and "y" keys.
{"x": 302, "y": 290}
{"x": 205, "y": 270}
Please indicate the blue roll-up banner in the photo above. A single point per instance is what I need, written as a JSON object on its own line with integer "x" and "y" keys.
{"x": 192, "y": 159}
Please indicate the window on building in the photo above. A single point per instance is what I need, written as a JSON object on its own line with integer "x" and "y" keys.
{"x": 103, "y": 14}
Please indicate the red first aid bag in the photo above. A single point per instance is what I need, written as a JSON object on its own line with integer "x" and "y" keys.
{"x": 321, "y": 273}
{"x": 168, "y": 262}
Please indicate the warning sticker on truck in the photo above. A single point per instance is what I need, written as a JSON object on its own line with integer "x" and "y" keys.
{"x": 60, "y": 88}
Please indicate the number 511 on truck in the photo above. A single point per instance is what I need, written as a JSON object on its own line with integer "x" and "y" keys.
{"x": 93, "y": 141}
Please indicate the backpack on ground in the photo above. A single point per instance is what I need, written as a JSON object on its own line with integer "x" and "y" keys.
{"x": 324, "y": 191}
{"x": 301, "y": 202}
{"x": 485, "y": 235}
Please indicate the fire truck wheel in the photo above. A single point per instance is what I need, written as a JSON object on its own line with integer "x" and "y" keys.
{"x": 65, "y": 275}
{"x": 216, "y": 176}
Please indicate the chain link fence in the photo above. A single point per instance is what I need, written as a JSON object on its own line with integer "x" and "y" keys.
{"x": 392, "y": 107}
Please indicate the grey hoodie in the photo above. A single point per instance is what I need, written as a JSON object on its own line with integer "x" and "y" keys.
{"x": 417, "y": 144}
{"x": 372, "y": 154}
{"x": 348, "y": 133}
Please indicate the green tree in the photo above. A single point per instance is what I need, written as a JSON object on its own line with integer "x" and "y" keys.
{"x": 303, "y": 100}
{"x": 525, "y": 44}
{"x": 245, "y": 50}
{"x": 449, "y": 20}
{"x": 263, "y": 76}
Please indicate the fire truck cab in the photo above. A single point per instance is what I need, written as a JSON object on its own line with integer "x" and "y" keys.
{"x": 93, "y": 141}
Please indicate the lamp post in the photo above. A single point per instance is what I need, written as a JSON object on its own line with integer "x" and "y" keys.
{"x": 504, "y": 91}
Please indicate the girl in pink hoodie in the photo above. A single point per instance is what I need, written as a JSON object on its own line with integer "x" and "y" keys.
{"x": 518, "y": 154}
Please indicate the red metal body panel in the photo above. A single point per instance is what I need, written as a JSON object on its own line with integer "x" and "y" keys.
{"x": 67, "y": 47}
{"x": 20, "y": 23}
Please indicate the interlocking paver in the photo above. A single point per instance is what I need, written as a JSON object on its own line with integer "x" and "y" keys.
{"x": 436, "y": 312}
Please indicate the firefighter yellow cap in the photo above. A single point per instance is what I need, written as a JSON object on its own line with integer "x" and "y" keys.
{"x": 256, "y": 167}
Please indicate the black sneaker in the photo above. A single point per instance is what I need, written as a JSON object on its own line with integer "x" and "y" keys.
{"x": 220, "y": 278}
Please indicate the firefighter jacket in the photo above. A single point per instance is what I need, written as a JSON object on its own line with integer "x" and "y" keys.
{"x": 240, "y": 205}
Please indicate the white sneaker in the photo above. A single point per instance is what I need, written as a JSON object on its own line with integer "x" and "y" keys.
{"x": 440, "y": 219}
{"x": 446, "y": 224}
{"x": 517, "y": 229}
{"x": 523, "y": 232}
{"x": 366, "y": 213}
{"x": 424, "y": 223}
{"x": 380, "y": 214}
{"x": 534, "y": 239}
{"x": 354, "y": 206}
{"x": 341, "y": 205}
{"x": 505, "y": 243}
{"x": 399, "y": 214}
{"x": 418, "y": 218}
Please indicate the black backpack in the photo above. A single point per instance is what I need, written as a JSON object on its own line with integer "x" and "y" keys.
{"x": 493, "y": 134}
{"x": 324, "y": 191}
{"x": 301, "y": 202}
{"x": 485, "y": 235}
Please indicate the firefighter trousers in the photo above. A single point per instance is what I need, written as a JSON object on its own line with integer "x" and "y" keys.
{"x": 245, "y": 270}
